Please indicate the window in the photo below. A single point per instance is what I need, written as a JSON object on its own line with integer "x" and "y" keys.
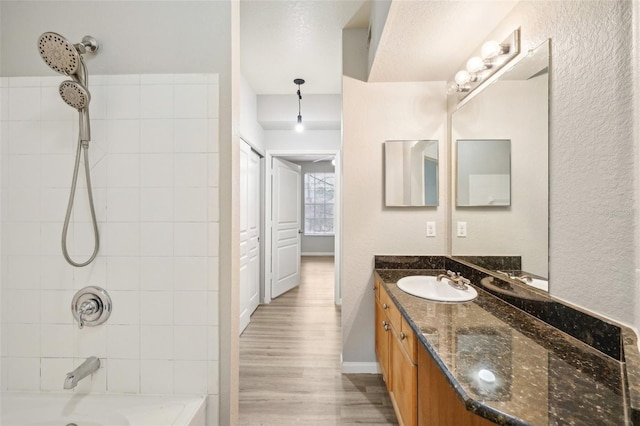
{"x": 318, "y": 203}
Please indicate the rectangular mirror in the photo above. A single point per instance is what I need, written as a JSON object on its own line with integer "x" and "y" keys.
{"x": 513, "y": 109}
{"x": 483, "y": 175}
{"x": 411, "y": 173}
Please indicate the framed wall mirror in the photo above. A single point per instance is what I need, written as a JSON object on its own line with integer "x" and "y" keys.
{"x": 483, "y": 172}
{"x": 514, "y": 108}
{"x": 411, "y": 173}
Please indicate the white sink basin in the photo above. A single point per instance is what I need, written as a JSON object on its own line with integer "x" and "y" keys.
{"x": 428, "y": 287}
{"x": 540, "y": 284}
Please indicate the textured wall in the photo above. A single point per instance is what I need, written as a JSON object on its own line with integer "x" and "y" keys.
{"x": 591, "y": 149}
{"x": 636, "y": 91}
{"x": 373, "y": 113}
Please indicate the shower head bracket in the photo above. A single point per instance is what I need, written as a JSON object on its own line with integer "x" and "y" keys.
{"x": 88, "y": 45}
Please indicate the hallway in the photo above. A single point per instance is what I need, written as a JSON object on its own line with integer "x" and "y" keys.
{"x": 290, "y": 362}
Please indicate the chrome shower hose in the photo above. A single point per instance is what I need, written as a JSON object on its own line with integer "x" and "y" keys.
{"x": 82, "y": 146}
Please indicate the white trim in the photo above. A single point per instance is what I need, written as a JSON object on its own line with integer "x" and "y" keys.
{"x": 361, "y": 368}
{"x": 317, "y": 254}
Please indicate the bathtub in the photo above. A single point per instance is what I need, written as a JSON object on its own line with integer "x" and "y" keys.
{"x": 59, "y": 409}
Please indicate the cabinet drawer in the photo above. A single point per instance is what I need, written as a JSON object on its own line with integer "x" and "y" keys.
{"x": 391, "y": 310}
{"x": 404, "y": 384}
{"x": 408, "y": 340}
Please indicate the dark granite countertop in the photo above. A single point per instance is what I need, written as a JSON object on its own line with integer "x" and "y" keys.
{"x": 533, "y": 372}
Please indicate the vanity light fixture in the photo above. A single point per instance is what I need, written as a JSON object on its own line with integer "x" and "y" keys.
{"x": 299, "y": 126}
{"x": 493, "y": 56}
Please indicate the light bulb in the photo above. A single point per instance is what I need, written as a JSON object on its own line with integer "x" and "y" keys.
{"x": 452, "y": 89}
{"x": 462, "y": 77}
{"x": 475, "y": 64}
{"x": 299, "y": 126}
{"x": 490, "y": 49}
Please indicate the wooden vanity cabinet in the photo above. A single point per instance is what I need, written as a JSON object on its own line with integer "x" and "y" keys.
{"x": 383, "y": 334}
{"x": 395, "y": 349}
{"x": 419, "y": 391}
{"x": 438, "y": 404}
{"x": 404, "y": 383}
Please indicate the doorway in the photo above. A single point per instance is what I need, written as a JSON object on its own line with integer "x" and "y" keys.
{"x": 298, "y": 157}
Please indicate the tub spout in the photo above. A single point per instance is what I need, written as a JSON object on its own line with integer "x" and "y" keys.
{"x": 88, "y": 367}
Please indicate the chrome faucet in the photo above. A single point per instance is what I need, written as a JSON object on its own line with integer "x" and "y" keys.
{"x": 456, "y": 280}
{"x": 527, "y": 279}
{"x": 88, "y": 367}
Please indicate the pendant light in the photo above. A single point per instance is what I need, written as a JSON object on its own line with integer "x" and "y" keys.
{"x": 299, "y": 126}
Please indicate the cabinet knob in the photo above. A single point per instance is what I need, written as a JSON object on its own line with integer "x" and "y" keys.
{"x": 402, "y": 335}
{"x": 385, "y": 306}
{"x": 386, "y": 327}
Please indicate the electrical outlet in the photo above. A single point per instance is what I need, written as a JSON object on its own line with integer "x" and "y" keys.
{"x": 462, "y": 229}
{"x": 431, "y": 229}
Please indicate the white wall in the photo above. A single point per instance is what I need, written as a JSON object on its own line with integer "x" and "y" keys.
{"x": 136, "y": 36}
{"x": 592, "y": 149}
{"x": 250, "y": 130}
{"x": 154, "y": 157}
{"x": 373, "y": 113}
{"x": 355, "y": 53}
{"x": 313, "y": 141}
{"x": 319, "y": 112}
{"x": 377, "y": 19}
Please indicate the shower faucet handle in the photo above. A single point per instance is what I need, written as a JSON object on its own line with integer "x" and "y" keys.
{"x": 87, "y": 308}
{"x": 91, "y": 306}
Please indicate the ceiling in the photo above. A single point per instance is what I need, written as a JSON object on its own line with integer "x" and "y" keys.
{"x": 281, "y": 40}
{"x": 423, "y": 40}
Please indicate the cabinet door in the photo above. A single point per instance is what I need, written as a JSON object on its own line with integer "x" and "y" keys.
{"x": 383, "y": 335}
{"x": 438, "y": 403}
{"x": 404, "y": 384}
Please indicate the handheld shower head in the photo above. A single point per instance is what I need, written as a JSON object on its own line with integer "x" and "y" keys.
{"x": 78, "y": 97}
{"x": 74, "y": 94}
{"x": 58, "y": 53}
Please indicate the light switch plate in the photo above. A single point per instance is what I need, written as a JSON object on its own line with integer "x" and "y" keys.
{"x": 462, "y": 229}
{"x": 431, "y": 229}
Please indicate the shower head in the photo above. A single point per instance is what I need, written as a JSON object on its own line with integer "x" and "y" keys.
{"x": 58, "y": 53}
{"x": 78, "y": 97}
{"x": 74, "y": 94}
{"x": 61, "y": 55}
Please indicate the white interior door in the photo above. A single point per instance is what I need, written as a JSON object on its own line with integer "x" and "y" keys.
{"x": 285, "y": 226}
{"x": 253, "y": 227}
{"x": 249, "y": 233}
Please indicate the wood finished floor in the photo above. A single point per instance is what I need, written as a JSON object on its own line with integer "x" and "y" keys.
{"x": 290, "y": 362}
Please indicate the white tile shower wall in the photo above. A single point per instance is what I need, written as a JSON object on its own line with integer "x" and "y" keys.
{"x": 154, "y": 171}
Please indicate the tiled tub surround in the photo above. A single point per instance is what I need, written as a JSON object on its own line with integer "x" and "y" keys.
{"x": 154, "y": 170}
{"x": 543, "y": 375}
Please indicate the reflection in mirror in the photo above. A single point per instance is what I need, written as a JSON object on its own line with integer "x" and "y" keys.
{"x": 514, "y": 108}
{"x": 483, "y": 172}
{"x": 483, "y": 359}
{"x": 411, "y": 173}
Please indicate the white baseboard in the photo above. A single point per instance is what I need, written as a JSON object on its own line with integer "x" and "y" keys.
{"x": 360, "y": 368}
